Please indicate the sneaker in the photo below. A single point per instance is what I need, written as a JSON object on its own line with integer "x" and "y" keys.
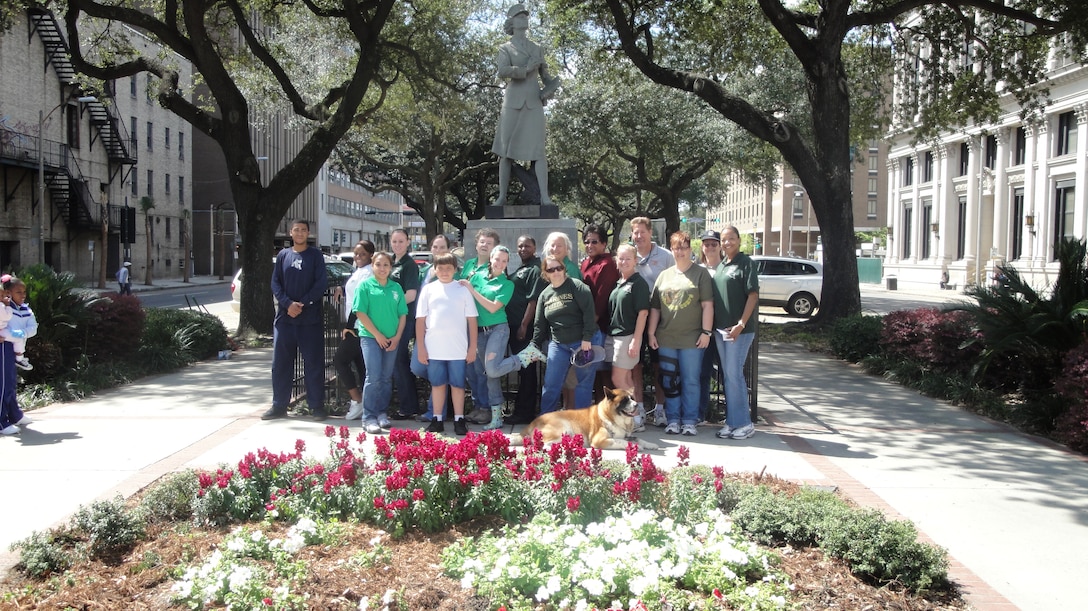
{"x": 459, "y": 427}
{"x": 672, "y": 428}
{"x": 373, "y": 428}
{"x": 743, "y": 432}
{"x": 355, "y": 410}
{"x": 689, "y": 430}
{"x": 383, "y": 423}
{"x": 478, "y": 416}
{"x": 657, "y": 415}
{"x": 22, "y": 363}
{"x": 25, "y": 420}
{"x": 725, "y": 432}
{"x": 10, "y": 430}
{"x": 530, "y": 354}
{"x": 436, "y": 426}
{"x": 639, "y": 426}
{"x": 274, "y": 413}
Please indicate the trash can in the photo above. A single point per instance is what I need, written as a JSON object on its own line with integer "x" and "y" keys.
{"x": 893, "y": 283}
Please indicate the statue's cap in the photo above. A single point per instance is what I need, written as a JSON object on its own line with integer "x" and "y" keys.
{"x": 517, "y": 9}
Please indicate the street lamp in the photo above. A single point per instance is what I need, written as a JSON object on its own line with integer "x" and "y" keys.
{"x": 39, "y": 219}
{"x": 798, "y": 193}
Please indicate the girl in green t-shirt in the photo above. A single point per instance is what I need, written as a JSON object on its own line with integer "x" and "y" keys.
{"x": 380, "y": 306}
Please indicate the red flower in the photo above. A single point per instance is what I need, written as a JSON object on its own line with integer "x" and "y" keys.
{"x": 417, "y": 495}
{"x": 267, "y": 601}
{"x": 573, "y": 503}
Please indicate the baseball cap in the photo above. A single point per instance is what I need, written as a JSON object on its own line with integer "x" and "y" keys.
{"x": 712, "y": 235}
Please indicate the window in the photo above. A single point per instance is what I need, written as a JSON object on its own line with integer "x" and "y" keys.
{"x": 166, "y": 184}
{"x": 965, "y": 158}
{"x": 1067, "y": 134}
{"x": 872, "y": 184}
{"x": 71, "y": 115}
{"x": 132, "y": 86}
{"x": 181, "y": 189}
{"x": 166, "y": 138}
{"x": 135, "y": 187}
{"x": 927, "y": 167}
{"x": 167, "y": 228}
{"x": 150, "y": 182}
{"x": 870, "y": 212}
{"x": 132, "y": 137}
{"x": 1020, "y": 147}
{"x": 150, "y": 135}
{"x": 927, "y": 222}
{"x": 991, "y": 151}
{"x": 147, "y": 90}
{"x": 1063, "y": 211}
{"x": 961, "y": 228}
{"x": 798, "y": 205}
{"x": 907, "y": 229}
{"x": 908, "y": 172}
{"x": 1017, "y": 243}
{"x": 873, "y": 160}
{"x": 181, "y": 145}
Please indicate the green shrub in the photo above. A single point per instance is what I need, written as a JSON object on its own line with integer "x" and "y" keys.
{"x": 171, "y": 499}
{"x": 110, "y": 527}
{"x": 855, "y": 337}
{"x": 63, "y": 311}
{"x": 173, "y": 338}
{"x": 880, "y": 550}
{"x": 41, "y": 554}
{"x": 884, "y": 551}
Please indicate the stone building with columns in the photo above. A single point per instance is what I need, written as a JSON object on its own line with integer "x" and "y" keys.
{"x": 999, "y": 194}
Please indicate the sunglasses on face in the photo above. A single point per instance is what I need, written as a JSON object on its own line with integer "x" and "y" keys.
{"x": 552, "y": 270}
{"x": 591, "y": 242}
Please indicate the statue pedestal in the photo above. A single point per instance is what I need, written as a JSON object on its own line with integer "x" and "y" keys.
{"x": 522, "y": 212}
{"x": 510, "y": 229}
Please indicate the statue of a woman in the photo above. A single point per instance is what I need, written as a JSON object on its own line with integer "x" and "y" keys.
{"x": 520, "y": 133}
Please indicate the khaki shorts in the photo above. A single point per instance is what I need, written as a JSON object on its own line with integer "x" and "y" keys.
{"x": 620, "y": 344}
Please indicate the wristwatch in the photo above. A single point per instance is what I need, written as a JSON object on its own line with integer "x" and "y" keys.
{"x": 740, "y": 323}
{"x": 708, "y": 333}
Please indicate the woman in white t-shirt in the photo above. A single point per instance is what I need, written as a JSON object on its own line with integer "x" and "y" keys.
{"x": 348, "y": 359}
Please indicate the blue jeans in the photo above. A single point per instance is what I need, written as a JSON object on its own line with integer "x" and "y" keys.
{"x": 494, "y": 341}
{"x": 732, "y": 355}
{"x": 555, "y": 371}
{"x": 378, "y": 386}
{"x": 402, "y": 373}
{"x": 683, "y": 409}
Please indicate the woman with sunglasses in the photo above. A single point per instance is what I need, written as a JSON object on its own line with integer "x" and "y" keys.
{"x": 492, "y": 291}
{"x": 348, "y": 360}
{"x": 565, "y": 321}
{"x": 680, "y": 328}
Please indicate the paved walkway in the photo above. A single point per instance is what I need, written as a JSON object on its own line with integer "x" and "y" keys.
{"x": 1011, "y": 509}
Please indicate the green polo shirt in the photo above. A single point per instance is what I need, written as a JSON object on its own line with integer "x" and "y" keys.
{"x": 628, "y": 299}
{"x": 734, "y": 281}
{"x": 384, "y": 305}
{"x": 498, "y": 289}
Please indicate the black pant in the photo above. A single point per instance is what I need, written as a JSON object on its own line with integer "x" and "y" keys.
{"x": 348, "y": 360}
{"x": 527, "y": 401}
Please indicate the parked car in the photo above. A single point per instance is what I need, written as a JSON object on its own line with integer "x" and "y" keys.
{"x": 337, "y": 271}
{"x": 791, "y": 283}
{"x": 421, "y": 257}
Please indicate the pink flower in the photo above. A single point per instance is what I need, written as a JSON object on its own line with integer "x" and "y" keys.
{"x": 417, "y": 495}
{"x": 573, "y": 503}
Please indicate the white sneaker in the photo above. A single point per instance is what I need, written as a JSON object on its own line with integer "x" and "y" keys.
{"x": 743, "y": 432}
{"x": 373, "y": 428}
{"x": 355, "y": 410}
{"x": 25, "y": 420}
{"x": 22, "y": 363}
{"x": 657, "y": 414}
{"x": 10, "y": 430}
{"x": 725, "y": 432}
{"x": 672, "y": 428}
{"x": 689, "y": 430}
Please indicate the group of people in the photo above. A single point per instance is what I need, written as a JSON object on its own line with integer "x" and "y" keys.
{"x": 17, "y": 324}
{"x": 476, "y": 324}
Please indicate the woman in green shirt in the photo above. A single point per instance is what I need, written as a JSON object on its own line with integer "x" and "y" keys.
{"x": 492, "y": 291}
{"x": 381, "y": 309}
{"x": 737, "y": 281}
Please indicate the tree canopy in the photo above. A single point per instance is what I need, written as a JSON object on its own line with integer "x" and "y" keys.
{"x": 702, "y": 48}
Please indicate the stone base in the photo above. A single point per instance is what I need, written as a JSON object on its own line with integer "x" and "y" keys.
{"x": 522, "y": 212}
{"x": 510, "y": 229}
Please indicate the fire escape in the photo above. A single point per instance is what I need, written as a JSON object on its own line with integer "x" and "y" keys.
{"x": 72, "y": 198}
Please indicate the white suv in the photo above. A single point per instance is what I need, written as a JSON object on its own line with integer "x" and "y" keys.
{"x": 794, "y": 284}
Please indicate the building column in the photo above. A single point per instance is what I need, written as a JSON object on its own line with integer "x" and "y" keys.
{"x": 973, "y": 255}
{"x": 1001, "y": 199}
{"x": 891, "y": 248}
{"x": 1040, "y": 195}
{"x": 1080, "y": 195}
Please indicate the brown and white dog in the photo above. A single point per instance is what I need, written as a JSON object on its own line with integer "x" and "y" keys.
{"x": 607, "y": 425}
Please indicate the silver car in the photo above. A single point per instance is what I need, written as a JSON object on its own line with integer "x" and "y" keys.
{"x": 791, "y": 283}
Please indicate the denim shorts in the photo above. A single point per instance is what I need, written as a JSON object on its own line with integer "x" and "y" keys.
{"x": 441, "y": 373}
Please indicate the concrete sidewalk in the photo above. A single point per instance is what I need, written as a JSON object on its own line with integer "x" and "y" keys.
{"x": 1012, "y": 510}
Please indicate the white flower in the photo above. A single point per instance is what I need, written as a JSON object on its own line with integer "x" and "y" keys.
{"x": 390, "y": 596}
{"x": 595, "y": 587}
{"x": 256, "y": 536}
{"x": 364, "y": 604}
{"x": 239, "y": 576}
{"x": 542, "y": 594}
{"x": 513, "y": 571}
{"x": 582, "y": 605}
{"x": 467, "y": 580}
